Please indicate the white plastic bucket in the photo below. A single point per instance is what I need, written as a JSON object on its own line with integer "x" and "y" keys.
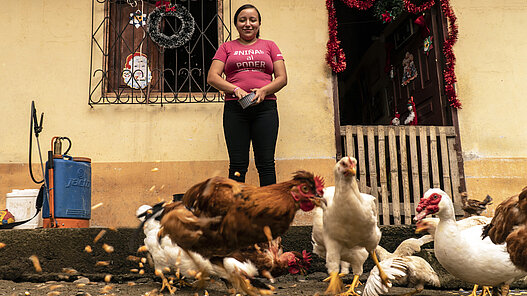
{"x": 22, "y": 204}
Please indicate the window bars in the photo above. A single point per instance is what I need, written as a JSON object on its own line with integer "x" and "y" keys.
{"x": 128, "y": 67}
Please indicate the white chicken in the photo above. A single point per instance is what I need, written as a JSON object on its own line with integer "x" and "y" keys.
{"x": 462, "y": 252}
{"x": 168, "y": 256}
{"x": 402, "y": 268}
{"x": 348, "y": 229}
{"x": 354, "y": 257}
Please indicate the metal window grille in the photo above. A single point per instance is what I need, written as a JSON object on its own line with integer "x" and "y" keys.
{"x": 177, "y": 75}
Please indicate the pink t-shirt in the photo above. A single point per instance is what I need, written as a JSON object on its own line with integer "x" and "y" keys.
{"x": 249, "y": 66}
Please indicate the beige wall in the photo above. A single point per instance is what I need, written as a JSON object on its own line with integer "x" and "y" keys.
{"x": 492, "y": 73}
{"x": 46, "y": 55}
{"x": 46, "y": 58}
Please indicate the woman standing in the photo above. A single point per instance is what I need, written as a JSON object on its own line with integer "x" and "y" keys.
{"x": 249, "y": 64}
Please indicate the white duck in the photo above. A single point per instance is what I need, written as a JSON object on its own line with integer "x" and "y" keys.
{"x": 462, "y": 252}
{"x": 349, "y": 228}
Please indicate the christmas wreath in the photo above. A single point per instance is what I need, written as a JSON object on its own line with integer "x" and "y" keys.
{"x": 388, "y": 10}
{"x": 184, "y": 33}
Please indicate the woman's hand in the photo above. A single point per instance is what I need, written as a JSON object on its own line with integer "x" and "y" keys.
{"x": 240, "y": 93}
{"x": 260, "y": 94}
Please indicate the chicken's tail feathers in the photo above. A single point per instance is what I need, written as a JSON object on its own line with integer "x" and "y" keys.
{"x": 393, "y": 268}
{"x": 233, "y": 265}
{"x": 486, "y": 230}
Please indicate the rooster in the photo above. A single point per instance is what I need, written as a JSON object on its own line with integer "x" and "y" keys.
{"x": 509, "y": 225}
{"x": 271, "y": 261}
{"x": 349, "y": 228}
{"x": 473, "y": 207}
{"x": 218, "y": 217}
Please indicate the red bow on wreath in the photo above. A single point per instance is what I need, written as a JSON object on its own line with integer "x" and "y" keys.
{"x": 167, "y": 5}
{"x": 387, "y": 17}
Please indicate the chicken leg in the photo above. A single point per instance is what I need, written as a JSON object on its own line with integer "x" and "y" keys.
{"x": 417, "y": 290}
{"x": 165, "y": 283}
{"x": 354, "y": 284}
{"x": 335, "y": 283}
{"x": 382, "y": 274}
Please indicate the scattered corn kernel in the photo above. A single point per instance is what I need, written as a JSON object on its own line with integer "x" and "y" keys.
{"x": 88, "y": 249}
{"x": 142, "y": 249}
{"x": 102, "y": 263}
{"x": 133, "y": 258}
{"x": 97, "y": 205}
{"x": 108, "y": 278}
{"x": 36, "y": 263}
{"x": 55, "y": 287}
{"x": 107, "y": 248}
{"x": 99, "y": 236}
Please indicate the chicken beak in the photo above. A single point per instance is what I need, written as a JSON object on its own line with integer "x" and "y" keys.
{"x": 319, "y": 201}
{"x": 352, "y": 171}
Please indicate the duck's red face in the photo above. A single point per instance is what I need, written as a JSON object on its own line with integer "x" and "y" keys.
{"x": 428, "y": 206}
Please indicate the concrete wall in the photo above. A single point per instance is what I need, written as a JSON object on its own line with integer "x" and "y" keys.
{"x": 46, "y": 58}
{"x": 491, "y": 71}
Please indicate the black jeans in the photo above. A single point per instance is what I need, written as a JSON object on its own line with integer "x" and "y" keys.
{"x": 258, "y": 124}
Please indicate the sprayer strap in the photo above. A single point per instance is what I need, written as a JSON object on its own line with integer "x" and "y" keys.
{"x": 39, "y": 202}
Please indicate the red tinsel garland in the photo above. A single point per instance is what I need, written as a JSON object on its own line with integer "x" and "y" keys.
{"x": 448, "y": 73}
{"x": 410, "y": 7}
{"x": 362, "y": 5}
{"x": 336, "y": 58}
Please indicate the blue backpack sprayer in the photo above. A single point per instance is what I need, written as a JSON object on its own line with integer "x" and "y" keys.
{"x": 65, "y": 196}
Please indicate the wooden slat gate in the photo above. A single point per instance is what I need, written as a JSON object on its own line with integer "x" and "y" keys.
{"x": 397, "y": 164}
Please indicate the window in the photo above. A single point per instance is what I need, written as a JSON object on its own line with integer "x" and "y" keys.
{"x": 136, "y": 70}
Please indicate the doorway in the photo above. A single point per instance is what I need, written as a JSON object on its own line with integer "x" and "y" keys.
{"x": 374, "y": 86}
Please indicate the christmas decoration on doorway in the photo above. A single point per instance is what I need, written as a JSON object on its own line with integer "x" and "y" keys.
{"x": 409, "y": 69}
{"x": 184, "y": 33}
{"x": 136, "y": 73}
{"x": 137, "y": 19}
{"x": 396, "y": 119}
{"x": 412, "y": 117}
{"x": 336, "y": 58}
{"x": 388, "y": 10}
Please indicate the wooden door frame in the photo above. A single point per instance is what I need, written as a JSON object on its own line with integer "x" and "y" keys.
{"x": 453, "y": 111}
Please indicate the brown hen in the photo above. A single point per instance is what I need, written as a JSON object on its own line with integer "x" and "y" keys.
{"x": 218, "y": 217}
{"x": 509, "y": 225}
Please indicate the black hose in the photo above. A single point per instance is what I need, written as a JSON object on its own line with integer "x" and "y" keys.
{"x": 37, "y": 130}
{"x": 69, "y": 141}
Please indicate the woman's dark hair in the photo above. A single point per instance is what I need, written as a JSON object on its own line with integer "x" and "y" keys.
{"x": 246, "y": 6}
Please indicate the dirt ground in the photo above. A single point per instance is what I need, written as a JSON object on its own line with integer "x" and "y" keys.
{"x": 286, "y": 285}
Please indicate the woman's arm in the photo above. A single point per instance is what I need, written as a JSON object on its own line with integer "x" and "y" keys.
{"x": 280, "y": 80}
{"x": 215, "y": 79}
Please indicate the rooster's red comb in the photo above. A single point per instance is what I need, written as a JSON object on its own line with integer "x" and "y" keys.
{"x": 319, "y": 184}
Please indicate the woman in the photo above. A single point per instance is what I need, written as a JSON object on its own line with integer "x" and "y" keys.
{"x": 249, "y": 64}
